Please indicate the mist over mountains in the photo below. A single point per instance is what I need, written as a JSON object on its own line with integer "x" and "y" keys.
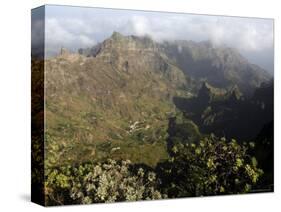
{"x": 265, "y": 61}
{"x": 220, "y": 66}
{"x": 75, "y": 27}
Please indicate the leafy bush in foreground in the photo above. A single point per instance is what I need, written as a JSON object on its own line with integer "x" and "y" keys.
{"x": 103, "y": 182}
{"x": 210, "y": 167}
{"x": 213, "y": 166}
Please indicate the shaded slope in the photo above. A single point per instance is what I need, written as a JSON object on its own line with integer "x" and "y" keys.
{"x": 227, "y": 113}
{"x": 220, "y": 66}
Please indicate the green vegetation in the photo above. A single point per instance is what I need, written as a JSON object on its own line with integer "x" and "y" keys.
{"x": 102, "y": 182}
{"x": 125, "y": 121}
{"x": 211, "y": 167}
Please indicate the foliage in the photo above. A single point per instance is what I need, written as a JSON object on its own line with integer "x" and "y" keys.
{"x": 102, "y": 182}
{"x": 211, "y": 167}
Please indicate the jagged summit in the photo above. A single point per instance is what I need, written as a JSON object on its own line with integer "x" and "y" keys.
{"x": 119, "y": 36}
{"x": 118, "y": 42}
{"x": 220, "y": 66}
{"x": 209, "y": 93}
{"x": 116, "y": 35}
{"x": 235, "y": 93}
{"x": 206, "y": 87}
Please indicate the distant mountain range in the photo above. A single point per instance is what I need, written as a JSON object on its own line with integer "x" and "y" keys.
{"x": 219, "y": 66}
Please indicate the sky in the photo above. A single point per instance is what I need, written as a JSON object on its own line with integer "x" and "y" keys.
{"x": 81, "y": 27}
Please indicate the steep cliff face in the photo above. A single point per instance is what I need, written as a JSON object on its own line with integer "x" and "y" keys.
{"x": 122, "y": 70}
{"x": 220, "y": 66}
{"x": 227, "y": 113}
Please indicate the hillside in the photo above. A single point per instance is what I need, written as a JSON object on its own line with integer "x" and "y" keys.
{"x": 115, "y": 99}
{"x": 115, "y": 102}
{"x": 228, "y": 113}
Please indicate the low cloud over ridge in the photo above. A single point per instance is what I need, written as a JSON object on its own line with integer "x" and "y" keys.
{"x": 75, "y": 27}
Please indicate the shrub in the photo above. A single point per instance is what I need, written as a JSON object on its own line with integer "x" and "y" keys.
{"x": 211, "y": 167}
{"x": 103, "y": 182}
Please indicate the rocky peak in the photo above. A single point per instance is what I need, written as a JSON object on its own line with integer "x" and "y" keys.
{"x": 209, "y": 93}
{"x": 117, "y": 36}
{"x": 118, "y": 42}
{"x": 235, "y": 93}
{"x": 219, "y": 65}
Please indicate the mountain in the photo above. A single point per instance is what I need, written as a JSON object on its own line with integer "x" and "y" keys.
{"x": 220, "y": 66}
{"x": 229, "y": 114}
{"x": 115, "y": 99}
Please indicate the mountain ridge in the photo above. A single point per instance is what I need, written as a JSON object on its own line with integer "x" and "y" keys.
{"x": 219, "y": 66}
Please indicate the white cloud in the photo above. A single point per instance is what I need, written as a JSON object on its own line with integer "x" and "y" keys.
{"x": 241, "y": 33}
{"x": 141, "y": 25}
{"x": 78, "y": 27}
{"x": 60, "y": 33}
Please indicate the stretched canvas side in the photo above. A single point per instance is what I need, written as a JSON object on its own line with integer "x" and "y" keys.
{"x": 37, "y": 105}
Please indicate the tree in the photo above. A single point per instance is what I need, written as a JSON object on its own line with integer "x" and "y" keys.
{"x": 102, "y": 182}
{"x": 211, "y": 167}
